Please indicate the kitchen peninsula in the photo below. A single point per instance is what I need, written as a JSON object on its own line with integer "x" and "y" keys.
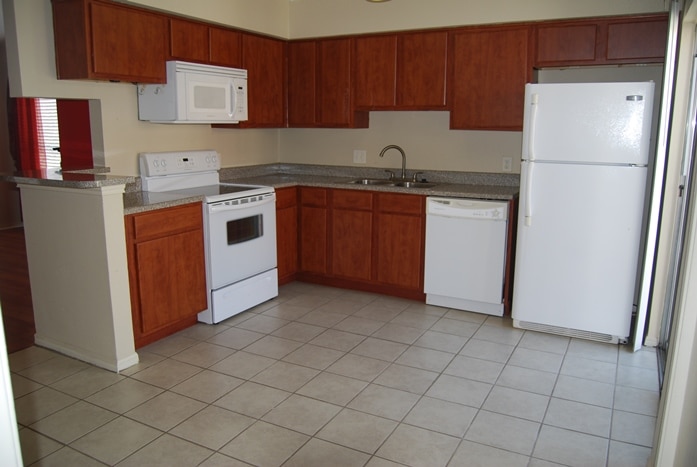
{"x": 73, "y": 225}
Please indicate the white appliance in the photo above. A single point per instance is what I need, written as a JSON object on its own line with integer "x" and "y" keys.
{"x": 239, "y": 225}
{"x": 195, "y": 93}
{"x": 583, "y": 180}
{"x": 465, "y": 254}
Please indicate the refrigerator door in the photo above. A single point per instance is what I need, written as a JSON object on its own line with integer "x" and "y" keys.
{"x": 578, "y": 249}
{"x": 605, "y": 123}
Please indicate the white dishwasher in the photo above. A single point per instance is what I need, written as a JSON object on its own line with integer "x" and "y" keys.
{"x": 465, "y": 254}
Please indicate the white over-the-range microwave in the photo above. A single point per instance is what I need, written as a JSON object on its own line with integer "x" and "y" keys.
{"x": 195, "y": 93}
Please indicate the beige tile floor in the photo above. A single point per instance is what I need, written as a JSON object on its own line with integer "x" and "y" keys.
{"x": 329, "y": 377}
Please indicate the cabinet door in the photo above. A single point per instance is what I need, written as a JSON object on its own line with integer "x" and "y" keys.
{"x": 313, "y": 230}
{"x": 421, "y": 70}
{"x": 171, "y": 279}
{"x": 351, "y": 234}
{"x": 334, "y": 84}
{"x": 374, "y": 73}
{"x": 264, "y": 59}
{"x": 302, "y": 84}
{"x": 400, "y": 240}
{"x": 166, "y": 269}
{"x": 287, "y": 233}
{"x": 188, "y": 41}
{"x": 488, "y": 74}
{"x": 601, "y": 41}
{"x": 225, "y": 47}
{"x": 566, "y": 44}
{"x": 637, "y": 41}
{"x": 127, "y": 44}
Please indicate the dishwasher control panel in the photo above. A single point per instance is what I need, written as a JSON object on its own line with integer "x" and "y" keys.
{"x": 467, "y": 208}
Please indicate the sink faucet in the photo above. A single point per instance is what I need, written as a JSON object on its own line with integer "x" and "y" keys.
{"x": 404, "y": 157}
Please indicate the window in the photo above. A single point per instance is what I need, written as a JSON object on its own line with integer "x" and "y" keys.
{"x": 48, "y": 132}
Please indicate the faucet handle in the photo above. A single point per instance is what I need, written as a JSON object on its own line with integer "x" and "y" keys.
{"x": 416, "y": 174}
{"x": 391, "y": 174}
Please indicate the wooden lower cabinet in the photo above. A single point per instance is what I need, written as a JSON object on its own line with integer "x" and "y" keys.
{"x": 287, "y": 234}
{"x": 166, "y": 269}
{"x": 400, "y": 238}
{"x": 363, "y": 240}
{"x": 313, "y": 230}
{"x": 351, "y": 234}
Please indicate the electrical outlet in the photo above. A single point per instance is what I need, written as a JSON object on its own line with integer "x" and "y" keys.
{"x": 359, "y": 156}
{"x": 507, "y": 164}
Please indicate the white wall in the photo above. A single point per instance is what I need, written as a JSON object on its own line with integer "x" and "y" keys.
{"x": 424, "y": 136}
{"x": 315, "y": 18}
{"x": 265, "y": 16}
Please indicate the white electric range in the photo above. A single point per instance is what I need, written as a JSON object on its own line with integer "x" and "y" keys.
{"x": 239, "y": 225}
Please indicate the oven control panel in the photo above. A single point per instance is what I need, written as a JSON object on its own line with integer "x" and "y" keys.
{"x": 171, "y": 163}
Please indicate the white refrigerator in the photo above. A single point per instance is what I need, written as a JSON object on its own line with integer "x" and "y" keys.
{"x": 584, "y": 172}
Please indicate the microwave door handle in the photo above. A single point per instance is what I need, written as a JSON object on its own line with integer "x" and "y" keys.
{"x": 233, "y": 99}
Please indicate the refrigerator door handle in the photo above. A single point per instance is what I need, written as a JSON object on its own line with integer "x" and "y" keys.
{"x": 533, "y": 124}
{"x": 527, "y": 194}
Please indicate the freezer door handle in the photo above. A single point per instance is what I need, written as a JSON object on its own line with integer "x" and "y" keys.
{"x": 533, "y": 124}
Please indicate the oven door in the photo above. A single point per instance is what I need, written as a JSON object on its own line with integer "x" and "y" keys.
{"x": 240, "y": 239}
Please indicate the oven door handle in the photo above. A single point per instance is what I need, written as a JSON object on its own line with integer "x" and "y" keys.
{"x": 221, "y": 206}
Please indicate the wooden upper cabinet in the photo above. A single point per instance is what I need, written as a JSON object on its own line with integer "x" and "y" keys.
{"x": 600, "y": 41}
{"x": 264, "y": 59}
{"x": 401, "y": 71}
{"x": 375, "y": 71}
{"x": 225, "y": 47}
{"x": 302, "y": 85}
{"x": 109, "y": 41}
{"x": 637, "y": 40}
{"x": 421, "y": 69}
{"x": 193, "y": 41}
{"x": 566, "y": 43}
{"x": 319, "y": 85}
{"x": 488, "y": 72}
{"x": 188, "y": 40}
{"x": 334, "y": 82}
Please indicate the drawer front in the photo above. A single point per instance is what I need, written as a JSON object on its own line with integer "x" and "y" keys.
{"x": 168, "y": 221}
{"x": 286, "y": 197}
{"x": 313, "y": 196}
{"x": 352, "y": 199}
{"x": 402, "y": 204}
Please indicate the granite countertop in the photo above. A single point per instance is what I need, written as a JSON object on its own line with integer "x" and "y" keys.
{"x": 280, "y": 175}
{"x": 446, "y": 184}
{"x": 80, "y": 179}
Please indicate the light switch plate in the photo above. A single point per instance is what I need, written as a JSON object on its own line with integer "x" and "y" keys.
{"x": 507, "y": 164}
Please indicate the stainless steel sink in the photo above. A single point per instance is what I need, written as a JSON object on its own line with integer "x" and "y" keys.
{"x": 399, "y": 183}
{"x": 372, "y": 181}
{"x": 413, "y": 184}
